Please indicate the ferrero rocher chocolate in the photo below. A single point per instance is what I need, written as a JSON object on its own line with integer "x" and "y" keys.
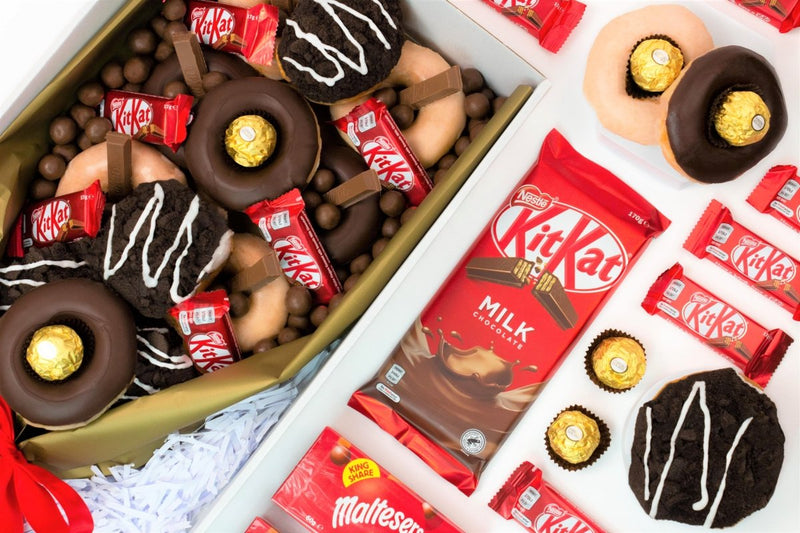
{"x": 742, "y": 118}
{"x": 55, "y": 352}
{"x": 655, "y": 63}
{"x": 619, "y": 362}
{"x": 250, "y": 140}
{"x": 573, "y": 436}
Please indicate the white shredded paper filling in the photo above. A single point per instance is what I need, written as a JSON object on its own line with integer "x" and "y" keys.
{"x": 190, "y": 470}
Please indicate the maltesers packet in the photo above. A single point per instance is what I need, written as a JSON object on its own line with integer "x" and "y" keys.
{"x": 783, "y": 14}
{"x": 148, "y": 118}
{"x": 483, "y": 348}
{"x": 336, "y": 487}
{"x": 778, "y": 194}
{"x": 749, "y": 345}
{"x": 723, "y": 241}
{"x": 550, "y": 21}
{"x": 537, "y": 506}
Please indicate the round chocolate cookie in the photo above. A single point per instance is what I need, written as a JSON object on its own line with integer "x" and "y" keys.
{"x": 707, "y": 450}
{"x": 161, "y": 244}
{"x": 332, "y": 52}
{"x": 105, "y": 327}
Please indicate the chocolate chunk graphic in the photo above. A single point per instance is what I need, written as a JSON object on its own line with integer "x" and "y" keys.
{"x": 551, "y": 294}
{"x": 509, "y": 271}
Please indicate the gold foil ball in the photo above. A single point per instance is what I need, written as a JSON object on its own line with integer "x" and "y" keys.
{"x": 619, "y": 362}
{"x": 655, "y": 63}
{"x": 573, "y": 436}
{"x": 250, "y": 140}
{"x": 742, "y": 119}
{"x": 55, "y": 352}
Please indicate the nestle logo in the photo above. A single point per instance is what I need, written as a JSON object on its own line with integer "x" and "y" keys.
{"x": 749, "y": 241}
{"x": 700, "y": 298}
{"x": 530, "y": 196}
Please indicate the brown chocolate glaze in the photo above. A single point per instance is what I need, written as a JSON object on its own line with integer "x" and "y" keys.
{"x": 294, "y": 160}
{"x": 361, "y": 222}
{"x": 691, "y": 134}
{"x": 105, "y": 372}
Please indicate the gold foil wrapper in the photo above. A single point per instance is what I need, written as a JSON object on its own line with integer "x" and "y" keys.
{"x": 250, "y": 140}
{"x": 619, "y": 362}
{"x": 55, "y": 352}
{"x": 742, "y": 118}
{"x": 655, "y": 64}
{"x": 574, "y": 436}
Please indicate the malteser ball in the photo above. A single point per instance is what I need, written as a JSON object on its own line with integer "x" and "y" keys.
{"x": 67, "y": 151}
{"x": 42, "y": 189}
{"x": 335, "y": 301}
{"x": 472, "y": 80}
{"x": 298, "y": 300}
{"x": 159, "y": 24}
{"x": 392, "y": 203}
{"x": 327, "y": 215}
{"x": 137, "y": 69}
{"x": 340, "y": 455}
{"x": 174, "y": 88}
{"x": 360, "y": 263}
{"x": 378, "y": 246}
{"x": 112, "y": 76}
{"x": 132, "y": 87}
{"x": 476, "y": 105}
{"x": 213, "y": 79}
{"x": 403, "y": 115}
{"x": 52, "y": 166}
{"x": 390, "y": 227}
{"x": 97, "y": 128}
{"x": 63, "y": 130}
{"x": 318, "y": 315}
{"x": 475, "y": 128}
{"x": 440, "y": 176}
{"x": 461, "y": 144}
{"x": 488, "y": 93}
{"x": 83, "y": 142}
{"x": 142, "y": 41}
{"x": 323, "y": 180}
{"x": 312, "y": 199}
{"x": 240, "y": 304}
{"x": 447, "y": 161}
{"x": 287, "y": 335}
{"x": 387, "y": 95}
{"x": 497, "y": 103}
{"x": 81, "y": 113}
{"x": 91, "y": 94}
{"x": 350, "y": 282}
{"x": 172, "y": 28}
{"x": 301, "y": 323}
{"x": 265, "y": 345}
{"x": 407, "y": 214}
{"x": 163, "y": 51}
{"x": 173, "y": 9}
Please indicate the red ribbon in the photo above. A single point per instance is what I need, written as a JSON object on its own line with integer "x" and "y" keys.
{"x": 31, "y": 492}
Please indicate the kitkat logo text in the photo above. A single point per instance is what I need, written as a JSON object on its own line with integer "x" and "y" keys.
{"x": 574, "y": 246}
{"x": 761, "y": 262}
{"x": 391, "y": 167}
{"x": 297, "y": 262}
{"x": 554, "y": 519}
{"x": 713, "y": 319}
{"x": 211, "y": 23}
{"x": 130, "y": 115}
{"x": 48, "y": 220}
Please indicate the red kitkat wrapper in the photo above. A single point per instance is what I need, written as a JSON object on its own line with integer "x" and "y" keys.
{"x": 205, "y": 325}
{"x": 550, "y": 21}
{"x": 60, "y": 219}
{"x": 778, "y": 194}
{"x": 259, "y": 525}
{"x": 751, "y": 347}
{"x": 783, "y": 14}
{"x": 537, "y": 506}
{"x": 148, "y": 118}
{"x": 247, "y": 31}
{"x": 285, "y": 225}
{"x": 720, "y": 239}
{"x": 335, "y": 487}
{"x": 376, "y": 136}
{"x": 483, "y": 348}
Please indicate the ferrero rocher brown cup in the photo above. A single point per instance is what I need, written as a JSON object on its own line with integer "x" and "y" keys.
{"x": 654, "y": 64}
{"x": 576, "y": 438}
{"x": 615, "y": 361}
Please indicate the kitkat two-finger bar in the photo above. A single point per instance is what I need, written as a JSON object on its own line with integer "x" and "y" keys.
{"x": 499, "y": 327}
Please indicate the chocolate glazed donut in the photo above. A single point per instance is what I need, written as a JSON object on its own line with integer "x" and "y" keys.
{"x": 697, "y": 148}
{"x": 106, "y": 326}
{"x": 294, "y": 160}
{"x": 361, "y": 222}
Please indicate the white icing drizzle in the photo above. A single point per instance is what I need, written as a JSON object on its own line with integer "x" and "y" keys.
{"x": 648, "y": 437}
{"x": 152, "y": 210}
{"x": 333, "y": 54}
{"x": 176, "y": 362}
{"x": 42, "y": 263}
{"x": 712, "y": 513}
{"x": 5, "y": 307}
{"x": 21, "y": 281}
{"x": 144, "y": 386}
{"x": 698, "y": 386}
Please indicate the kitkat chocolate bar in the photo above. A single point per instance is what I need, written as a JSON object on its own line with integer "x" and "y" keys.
{"x": 336, "y": 487}
{"x": 497, "y": 330}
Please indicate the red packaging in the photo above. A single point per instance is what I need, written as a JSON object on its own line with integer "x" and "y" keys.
{"x": 376, "y": 136}
{"x": 550, "y": 21}
{"x": 777, "y": 194}
{"x": 783, "y": 14}
{"x": 60, "y": 219}
{"x": 751, "y": 347}
{"x": 497, "y": 330}
{"x": 722, "y": 240}
{"x": 336, "y": 487}
{"x": 259, "y": 525}
{"x": 247, "y": 31}
{"x": 148, "y": 118}
{"x": 205, "y": 325}
{"x": 285, "y": 225}
{"x": 526, "y": 497}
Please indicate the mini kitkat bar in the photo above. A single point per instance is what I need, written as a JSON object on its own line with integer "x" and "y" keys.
{"x": 783, "y": 14}
{"x": 549, "y": 21}
{"x": 778, "y": 195}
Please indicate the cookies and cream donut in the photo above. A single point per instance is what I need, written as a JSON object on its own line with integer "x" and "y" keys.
{"x": 252, "y": 139}
{"x": 161, "y": 361}
{"x": 147, "y": 163}
{"x": 725, "y": 113}
{"x": 333, "y": 51}
{"x": 89, "y": 334}
{"x": 160, "y": 246}
{"x": 633, "y": 59}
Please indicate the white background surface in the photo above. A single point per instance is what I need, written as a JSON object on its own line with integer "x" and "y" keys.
{"x": 600, "y": 490}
